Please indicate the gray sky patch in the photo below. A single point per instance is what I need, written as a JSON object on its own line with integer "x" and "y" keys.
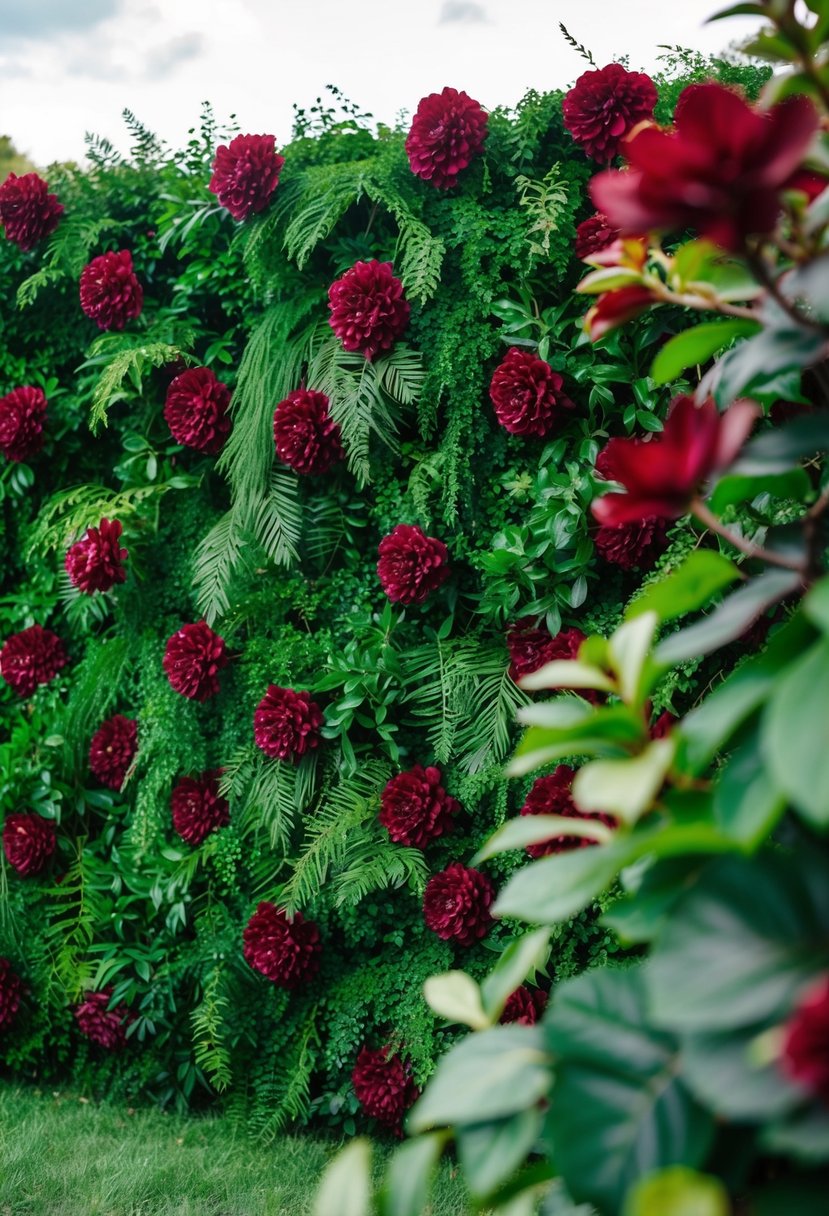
{"x": 41, "y": 20}
{"x": 162, "y": 60}
{"x": 462, "y": 12}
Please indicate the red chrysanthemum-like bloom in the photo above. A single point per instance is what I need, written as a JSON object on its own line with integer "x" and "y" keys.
{"x": 662, "y": 474}
{"x": 721, "y": 170}
{"x": 447, "y": 133}
{"x": 603, "y": 105}
{"x": 525, "y": 1005}
{"x": 193, "y": 657}
{"x": 198, "y": 807}
{"x": 526, "y": 394}
{"x": 456, "y": 904}
{"x": 384, "y": 1087}
{"x": 22, "y": 415}
{"x": 416, "y": 808}
{"x": 28, "y": 842}
{"x": 412, "y": 565}
{"x": 306, "y": 436}
{"x": 805, "y": 1054}
{"x": 661, "y": 727}
{"x": 593, "y": 235}
{"x": 196, "y": 410}
{"x": 531, "y": 647}
{"x": 28, "y": 212}
{"x": 11, "y": 986}
{"x": 286, "y": 723}
{"x": 368, "y": 309}
{"x": 104, "y": 1026}
{"x": 32, "y": 657}
{"x": 113, "y": 749}
{"x": 110, "y": 292}
{"x": 246, "y": 173}
{"x": 286, "y": 950}
{"x": 551, "y": 796}
{"x": 635, "y": 545}
{"x": 96, "y": 563}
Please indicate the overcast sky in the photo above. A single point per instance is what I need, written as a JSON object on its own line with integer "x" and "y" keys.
{"x": 71, "y": 66}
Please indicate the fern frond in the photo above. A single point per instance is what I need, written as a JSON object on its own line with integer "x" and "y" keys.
{"x": 209, "y": 1023}
{"x": 488, "y": 732}
{"x": 95, "y": 685}
{"x": 325, "y": 194}
{"x": 546, "y": 203}
{"x": 127, "y": 365}
{"x": 66, "y": 254}
{"x": 67, "y": 514}
{"x": 278, "y": 519}
{"x": 219, "y": 555}
{"x": 372, "y": 862}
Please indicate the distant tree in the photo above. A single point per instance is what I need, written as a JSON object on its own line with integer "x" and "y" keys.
{"x": 12, "y": 161}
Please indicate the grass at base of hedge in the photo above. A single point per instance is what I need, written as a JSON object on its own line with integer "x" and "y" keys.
{"x": 61, "y": 1155}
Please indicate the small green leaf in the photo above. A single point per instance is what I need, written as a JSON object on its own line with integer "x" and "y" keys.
{"x": 628, "y": 650}
{"x": 747, "y": 802}
{"x": 691, "y": 586}
{"x": 735, "y": 488}
{"x": 678, "y": 1191}
{"x": 490, "y": 1152}
{"x": 698, "y": 345}
{"x": 408, "y": 1179}
{"x": 346, "y": 1183}
{"x": 523, "y": 957}
{"x": 454, "y": 995}
{"x": 532, "y": 829}
{"x": 624, "y": 788}
{"x": 563, "y": 673}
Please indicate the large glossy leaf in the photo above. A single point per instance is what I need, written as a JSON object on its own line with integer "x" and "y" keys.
{"x": 409, "y": 1175}
{"x": 454, "y": 995}
{"x": 795, "y": 734}
{"x": 555, "y": 888}
{"x": 624, "y": 788}
{"x": 697, "y": 345}
{"x": 747, "y": 801}
{"x": 728, "y": 1074}
{"x": 619, "y": 1109}
{"x": 693, "y": 584}
{"x": 490, "y": 1152}
{"x": 346, "y": 1183}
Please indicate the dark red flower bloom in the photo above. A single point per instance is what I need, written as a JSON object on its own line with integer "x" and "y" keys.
{"x": 286, "y": 950}
{"x": 104, "y": 1026}
{"x": 306, "y": 436}
{"x": 96, "y": 563}
{"x": 593, "y": 235}
{"x": 551, "y": 796}
{"x": 196, "y": 410}
{"x": 526, "y": 394}
{"x": 32, "y": 657}
{"x": 808, "y": 182}
{"x": 447, "y": 133}
{"x": 635, "y": 545}
{"x": 661, "y": 727}
{"x": 368, "y": 309}
{"x": 531, "y": 647}
{"x": 286, "y": 723}
{"x": 28, "y": 842}
{"x": 663, "y": 473}
{"x": 11, "y": 987}
{"x": 384, "y": 1087}
{"x": 456, "y": 904}
{"x": 614, "y": 308}
{"x": 416, "y": 808}
{"x": 525, "y": 1005}
{"x": 805, "y": 1053}
{"x": 246, "y": 173}
{"x": 720, "y": 171}
{"x": 193, "y": 657}
{"x": 412, "y": 565}
{"x": 198, "y": 808}
{"x": 113, "y": 749}
{"x": 22, "y": 415}
{"x": 110, "y": 292}
{"x": 28, "y": 212}
{"x": 604, "y": 105}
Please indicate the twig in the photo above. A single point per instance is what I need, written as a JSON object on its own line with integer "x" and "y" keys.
{"x": 706, "y": 516}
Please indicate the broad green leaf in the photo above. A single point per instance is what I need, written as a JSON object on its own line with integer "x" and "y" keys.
{"x": 533, "y": 829}
{"x": 566, "y": 673}
{"x": 702, "y": 575}
{"x": 697, "y": 345}
{"x": 606, "y": 731}
{"x": 736, "y": 488}
{"x": 486, "y": 1076}
{"x": 804, "y": 1135}
{"x": 454, "y": 995}
{"x": 639, "y": 915}
{"x": 522, "y": 958}
{"x": 721, "y": 1069}
{"x": 678, "y": 1191}
{"x": 747, "y": 802}
{"x": 628, "y": 650}
{"x": 408, "y": 1179}
{"x": 764, "y": 367}
{"x": 490, "y": 1152}
{"x": 815, "y": 605}
{"x": 555, "y": 888}
{"x": 624, "y": 788}
{"x": 795, "y": 734}
{"x": 346, "y": 1182}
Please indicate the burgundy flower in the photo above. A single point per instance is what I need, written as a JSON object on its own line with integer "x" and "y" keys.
{"x": 593, "y": 235}
{"x": 526, "y": 394}
{"x": 661, "y": 727}
{"x": 196, "y": 410}
{"x": 525, "y": 1006}
{"x": 113, "y": 749}
{"x": 110, "y": 293}
{"x": 416, "y": 808}
{"x": 32, "y": 657}
{"x": 456, "y": 904}
{"x": 28, "y": 212}
{"x": 635, "y": 545}
{"x": 614, "y": 308}
{"x": 551, "y": 796}
{"x": 412, "y": 565}
{"x": 808, "y": 182}
{"x": 28, "y": 842}
{"x": 306, "y": 436}
{"x": 104, "y": 1026}
{"x": 384, "y": 1087}
{"x": 531, "y": 647}
{"x": 11, "y": 986}
{"x": 447, "y": 133}
{"x": 286, "y": 723}
{"x": 193, "y": 657}
{"x": 662, "y": 474}
{"x": 96, "y": 563}
{"x": 198, "y": 808}
{"x": 22, "y": 415}
{"x": 246, "y": 173}
{"x": 720, "y": 171}
{"x": 604, "y": 105}
{"x": 805, "y": 1053}
{"x": 284, "y": 949}
{"x": 368, "y": 309}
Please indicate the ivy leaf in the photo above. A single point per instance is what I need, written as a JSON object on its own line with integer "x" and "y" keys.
{"x": 697, "y": 345}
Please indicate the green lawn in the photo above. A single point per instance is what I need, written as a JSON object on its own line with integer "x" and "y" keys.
{"x": 63, "y": 1156}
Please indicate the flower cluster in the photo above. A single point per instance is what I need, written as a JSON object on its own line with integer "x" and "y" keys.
{"x": 412, "y": 565}
{"x": 551, "y": 796}
{"x": 415, "y": 807}
{"x": 286, "y": 950}
{"x": 246, "y": 173}
{"x": 384, "y": 1087}
{"x": 525, "y": 1006}
{"x": 526, "y": 394}
{"x": 28, "y": 212}
{"x": 32, "y": 657}
{"x": 96, "y": 563}
{"x": 447, "y": 133}
{"x": 193, "y": 657}
{"x": 604, "y": 105}
{"x": 102, "y": 1025}
{"x": 11, "y": 987}
{"x": 456, "y": 904}
{"x": 306, "y": 436}
{"x": 196, "y": 410}
{"x": 110, "y": 292}
{"x": 198, "y": 808}
{"x": 113, "y": 749}
{"x": 28, "y": 842}
{"x": 368, "y": 309}
{"x": 22, "y": 415}
{"x": 286, "y": 723}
